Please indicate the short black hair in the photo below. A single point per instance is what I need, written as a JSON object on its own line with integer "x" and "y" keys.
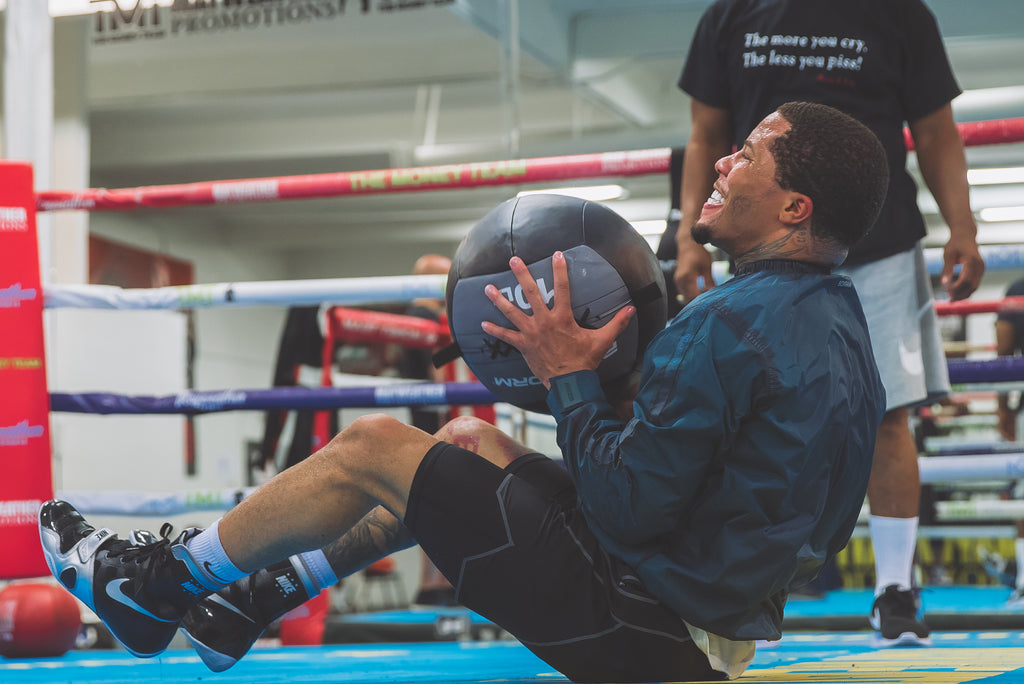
{"x": 837, "y": 162}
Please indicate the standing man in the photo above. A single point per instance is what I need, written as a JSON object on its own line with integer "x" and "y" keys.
{"x": 883, "y": 62}
{"x": 1010, "y": 342}
{"x": 671, "y": 540}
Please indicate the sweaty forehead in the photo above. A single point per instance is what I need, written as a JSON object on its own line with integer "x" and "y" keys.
{"x": 771, "y": 127}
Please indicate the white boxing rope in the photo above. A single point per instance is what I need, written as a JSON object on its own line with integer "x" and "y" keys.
{"x": 980, "y": 509}
{"x": 155, "y": 504}
{"x": 977, "y": 387}
{"x": 997, "y": 258}
{"x": 988, "y": 467}
{"x": 344, "y": 290}
{"x": 277, "y": 292}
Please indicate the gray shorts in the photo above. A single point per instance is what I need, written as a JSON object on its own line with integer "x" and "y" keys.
{"x": 896, "y": 294}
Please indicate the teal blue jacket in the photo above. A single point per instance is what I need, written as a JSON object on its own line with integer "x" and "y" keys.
{"x": 746, "y": 463}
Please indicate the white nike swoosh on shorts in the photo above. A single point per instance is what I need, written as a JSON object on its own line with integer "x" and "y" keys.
{"x": 911, "y": 361}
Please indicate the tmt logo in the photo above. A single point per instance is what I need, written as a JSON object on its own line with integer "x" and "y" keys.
{"x": 128, "y": 17}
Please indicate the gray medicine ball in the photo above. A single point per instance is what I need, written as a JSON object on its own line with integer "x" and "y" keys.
{"x": 610, "y": 266}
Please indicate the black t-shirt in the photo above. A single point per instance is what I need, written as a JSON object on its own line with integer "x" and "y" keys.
{"x": 881, "y": 61}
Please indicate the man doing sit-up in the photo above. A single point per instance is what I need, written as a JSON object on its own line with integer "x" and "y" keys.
{"x": 670, "y": 541}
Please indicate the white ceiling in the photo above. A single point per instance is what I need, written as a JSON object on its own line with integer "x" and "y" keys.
{"x": 436, "y": 83}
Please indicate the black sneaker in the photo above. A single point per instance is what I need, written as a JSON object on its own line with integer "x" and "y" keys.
{"x": 224, "y": 626}
{"x": 897, "y": 620}
{"x": 139, "y": 592}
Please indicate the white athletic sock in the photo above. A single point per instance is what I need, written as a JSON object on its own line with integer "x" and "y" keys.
{"x": 1019, "y": 553}
{"x": 210, "y": 561}
{"x": 893, "y": 541}
{"x": 314, "y": 571}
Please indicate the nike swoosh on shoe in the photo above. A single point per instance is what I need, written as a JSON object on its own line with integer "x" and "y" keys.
{"x": 227, "y": 604}
{"x": 115, "y": 592}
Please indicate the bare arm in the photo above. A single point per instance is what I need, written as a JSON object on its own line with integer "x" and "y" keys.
{"x": 940, "y": 156}
{"x": 710, "y": 140}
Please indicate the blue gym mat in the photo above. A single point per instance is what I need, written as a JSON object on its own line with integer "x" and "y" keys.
{"x": 945, "y": 608}
{"x": 935, "y": 600}
{"x": 988, "y": 655}
{"x": 991, "y": 657}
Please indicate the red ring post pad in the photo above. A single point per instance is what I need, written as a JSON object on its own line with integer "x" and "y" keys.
{"x": 24, "y": 402}
{"x": 360, "y": 326}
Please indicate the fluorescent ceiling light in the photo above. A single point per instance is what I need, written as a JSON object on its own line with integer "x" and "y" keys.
{"x": 594, "y": 193}
{"x": 997, "y": 214}
{"x": 1013, "y": 174}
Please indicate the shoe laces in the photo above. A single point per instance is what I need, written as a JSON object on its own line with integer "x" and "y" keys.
{"x": 146, "y": 555}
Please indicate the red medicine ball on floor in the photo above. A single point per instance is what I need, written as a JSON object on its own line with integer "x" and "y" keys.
{"x": 37, "y": 621}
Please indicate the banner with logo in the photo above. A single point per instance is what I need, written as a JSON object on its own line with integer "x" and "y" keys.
{"x": 25, "y": 475}
{"x": 119, "y": 21}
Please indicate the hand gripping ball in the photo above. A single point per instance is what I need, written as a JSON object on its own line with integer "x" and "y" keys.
{"x": 610, "y": 266}
{"x": 37, "y": 621}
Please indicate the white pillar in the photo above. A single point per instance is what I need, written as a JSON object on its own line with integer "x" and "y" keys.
{"x": 70, "y": 251}
{"x": 509, "y": 74}
{"x": 28, "y": 100}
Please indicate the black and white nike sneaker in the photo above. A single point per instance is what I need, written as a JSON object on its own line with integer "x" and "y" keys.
{"x": 224, "y": 626}
{"x": 139, "y": 592}
{"x": 897, "y": 619}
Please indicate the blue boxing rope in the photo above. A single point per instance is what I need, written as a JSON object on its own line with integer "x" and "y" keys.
{"x": 997, "y": 258}
{"x": 198, "y": 402}
{"x": 274, "y": 292}
{"x": 973, "y": 448}
{"x": 1003, "y": 369}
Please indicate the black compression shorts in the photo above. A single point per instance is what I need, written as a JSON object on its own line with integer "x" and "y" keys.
{"x": 518, "y": 552}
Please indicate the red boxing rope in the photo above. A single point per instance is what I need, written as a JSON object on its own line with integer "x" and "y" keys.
{"x": 445, "y": 177}
{"x": 966, "y": 307}
{"x": 978, "y": 133}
